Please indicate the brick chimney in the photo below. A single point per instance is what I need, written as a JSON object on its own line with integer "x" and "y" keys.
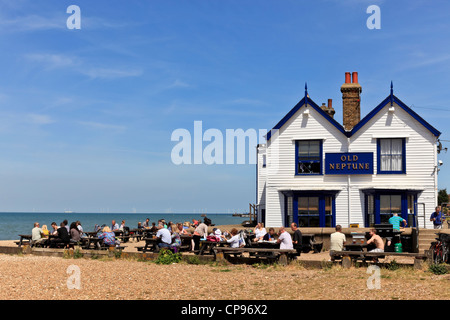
{"x": 351, "y": 100}
{"x": 328, "y": 109}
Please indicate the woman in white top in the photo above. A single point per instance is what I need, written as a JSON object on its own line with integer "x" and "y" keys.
{"x": 260, "y": 231}
{"x": 234, "y": 240}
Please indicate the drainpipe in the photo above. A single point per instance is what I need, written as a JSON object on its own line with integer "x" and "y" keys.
{"x": 348, "y": 188}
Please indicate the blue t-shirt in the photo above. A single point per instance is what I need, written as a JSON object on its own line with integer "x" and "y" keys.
{"x": 438, "y": 218}
{"x": 395, "y": 221}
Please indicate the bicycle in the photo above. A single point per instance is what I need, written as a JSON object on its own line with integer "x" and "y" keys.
{"x": 441, "y": 248}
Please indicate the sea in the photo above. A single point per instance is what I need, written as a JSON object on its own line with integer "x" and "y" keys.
{"x": 14, "y": 223}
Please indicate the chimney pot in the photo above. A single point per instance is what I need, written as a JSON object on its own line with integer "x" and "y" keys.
{"x": 347, "y": 77}
{"x": 330, "y": 103}
{"x": 354, "y": 77}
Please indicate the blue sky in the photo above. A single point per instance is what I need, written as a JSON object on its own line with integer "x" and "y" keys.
{"x": 86, "y": 116}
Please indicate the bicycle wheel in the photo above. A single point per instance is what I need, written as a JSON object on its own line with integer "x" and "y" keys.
{"x": 438, "y": 254}
{"x": 445, "y": 254}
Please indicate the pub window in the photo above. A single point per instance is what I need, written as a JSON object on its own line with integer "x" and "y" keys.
{"x": 391, "y": 157}
{"x": 308, "y": 157}
{"x": 389, "y": 204}
{"x": 308, "y": 212}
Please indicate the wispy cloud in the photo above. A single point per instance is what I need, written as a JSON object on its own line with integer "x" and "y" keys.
{"x": 39, "y": 119}
{"x": 247, "y": 101}
{"x": 32, "y": 23}
{"x": 51, "y": 61}
{"x": 111, "y": 73}
{"x": 103, "y": 126}
{"x": 178, "y": 84}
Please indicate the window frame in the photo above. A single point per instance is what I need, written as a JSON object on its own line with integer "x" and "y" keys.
{"x": 291, "y": 209}
{"x": 297, "y": 160}
{"x": 403, "y": 170}
{"x": 372, "y": 214}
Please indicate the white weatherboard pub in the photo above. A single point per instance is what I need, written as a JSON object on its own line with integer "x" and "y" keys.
{"x": 319, "y": 173}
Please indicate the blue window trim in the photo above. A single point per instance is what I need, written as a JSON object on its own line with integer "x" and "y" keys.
{"x": 376, "y": 196}
{"x": 297, "y": 160}
{"x": 403, "y": 171}
{"x": 321, "y": 195}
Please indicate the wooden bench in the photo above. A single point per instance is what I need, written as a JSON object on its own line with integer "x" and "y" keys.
{"x": 280, "y": 255}
{"x": 348, "y": 257}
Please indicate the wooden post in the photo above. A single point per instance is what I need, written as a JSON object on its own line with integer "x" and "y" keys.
{"x": 347, "y": 262}
{"x": 283, "y": 260}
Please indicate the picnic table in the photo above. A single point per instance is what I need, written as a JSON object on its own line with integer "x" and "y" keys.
{"x": 137, "y": 233}
{"x": 271, "y": 254}
{"x": 349, "y": 257}
{"x": 309, "y": 243}
{"x": 120, "y": 234}
{"x": 151, "y": 244}
{"x": 24, "y": 239}
{"x": 207, "y": 247}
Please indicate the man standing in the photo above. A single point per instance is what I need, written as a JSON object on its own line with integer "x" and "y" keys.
{"x": 284, "y": 239}
{"x": 395, "y": 220}
{"x": 337, "y": 240}
{"x": 437, "y": 218}
{"x": 297, "y": 238}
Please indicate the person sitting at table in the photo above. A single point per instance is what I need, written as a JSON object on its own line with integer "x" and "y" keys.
{"x": 66, "y": 225}
{"x": 284, "y": 239}
{"x": 62, "y": 236}
{"x": 122, "y": 225}
{"x": 165, "y": 237}
{"x": 45, "y": 231}
{"x": 75, "y": 234}
{"x": 377, "y": 240}
{"x": 37, "y": 236}
{"x": 108, "y": 237}
{"x": 55, "y": 228}
{"x": 260, "y": 231}
{"x": 171, "y": 225}
{"x": 181, "y": 230}
{"x": 154, "y": 228}
{"x": 114, "y": 226}
{"x": 216, "y": 233}
{"x": 146, "y": 223}
{"x": 80, "y": 227}
{"x": 269, "y": 236}
{"x": 234, "y": 240}
{"x": 176, "y": 239}
{"x": 337, "y": 240}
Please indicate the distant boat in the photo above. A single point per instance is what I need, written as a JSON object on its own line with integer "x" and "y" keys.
{"x": 68, "y": 211}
